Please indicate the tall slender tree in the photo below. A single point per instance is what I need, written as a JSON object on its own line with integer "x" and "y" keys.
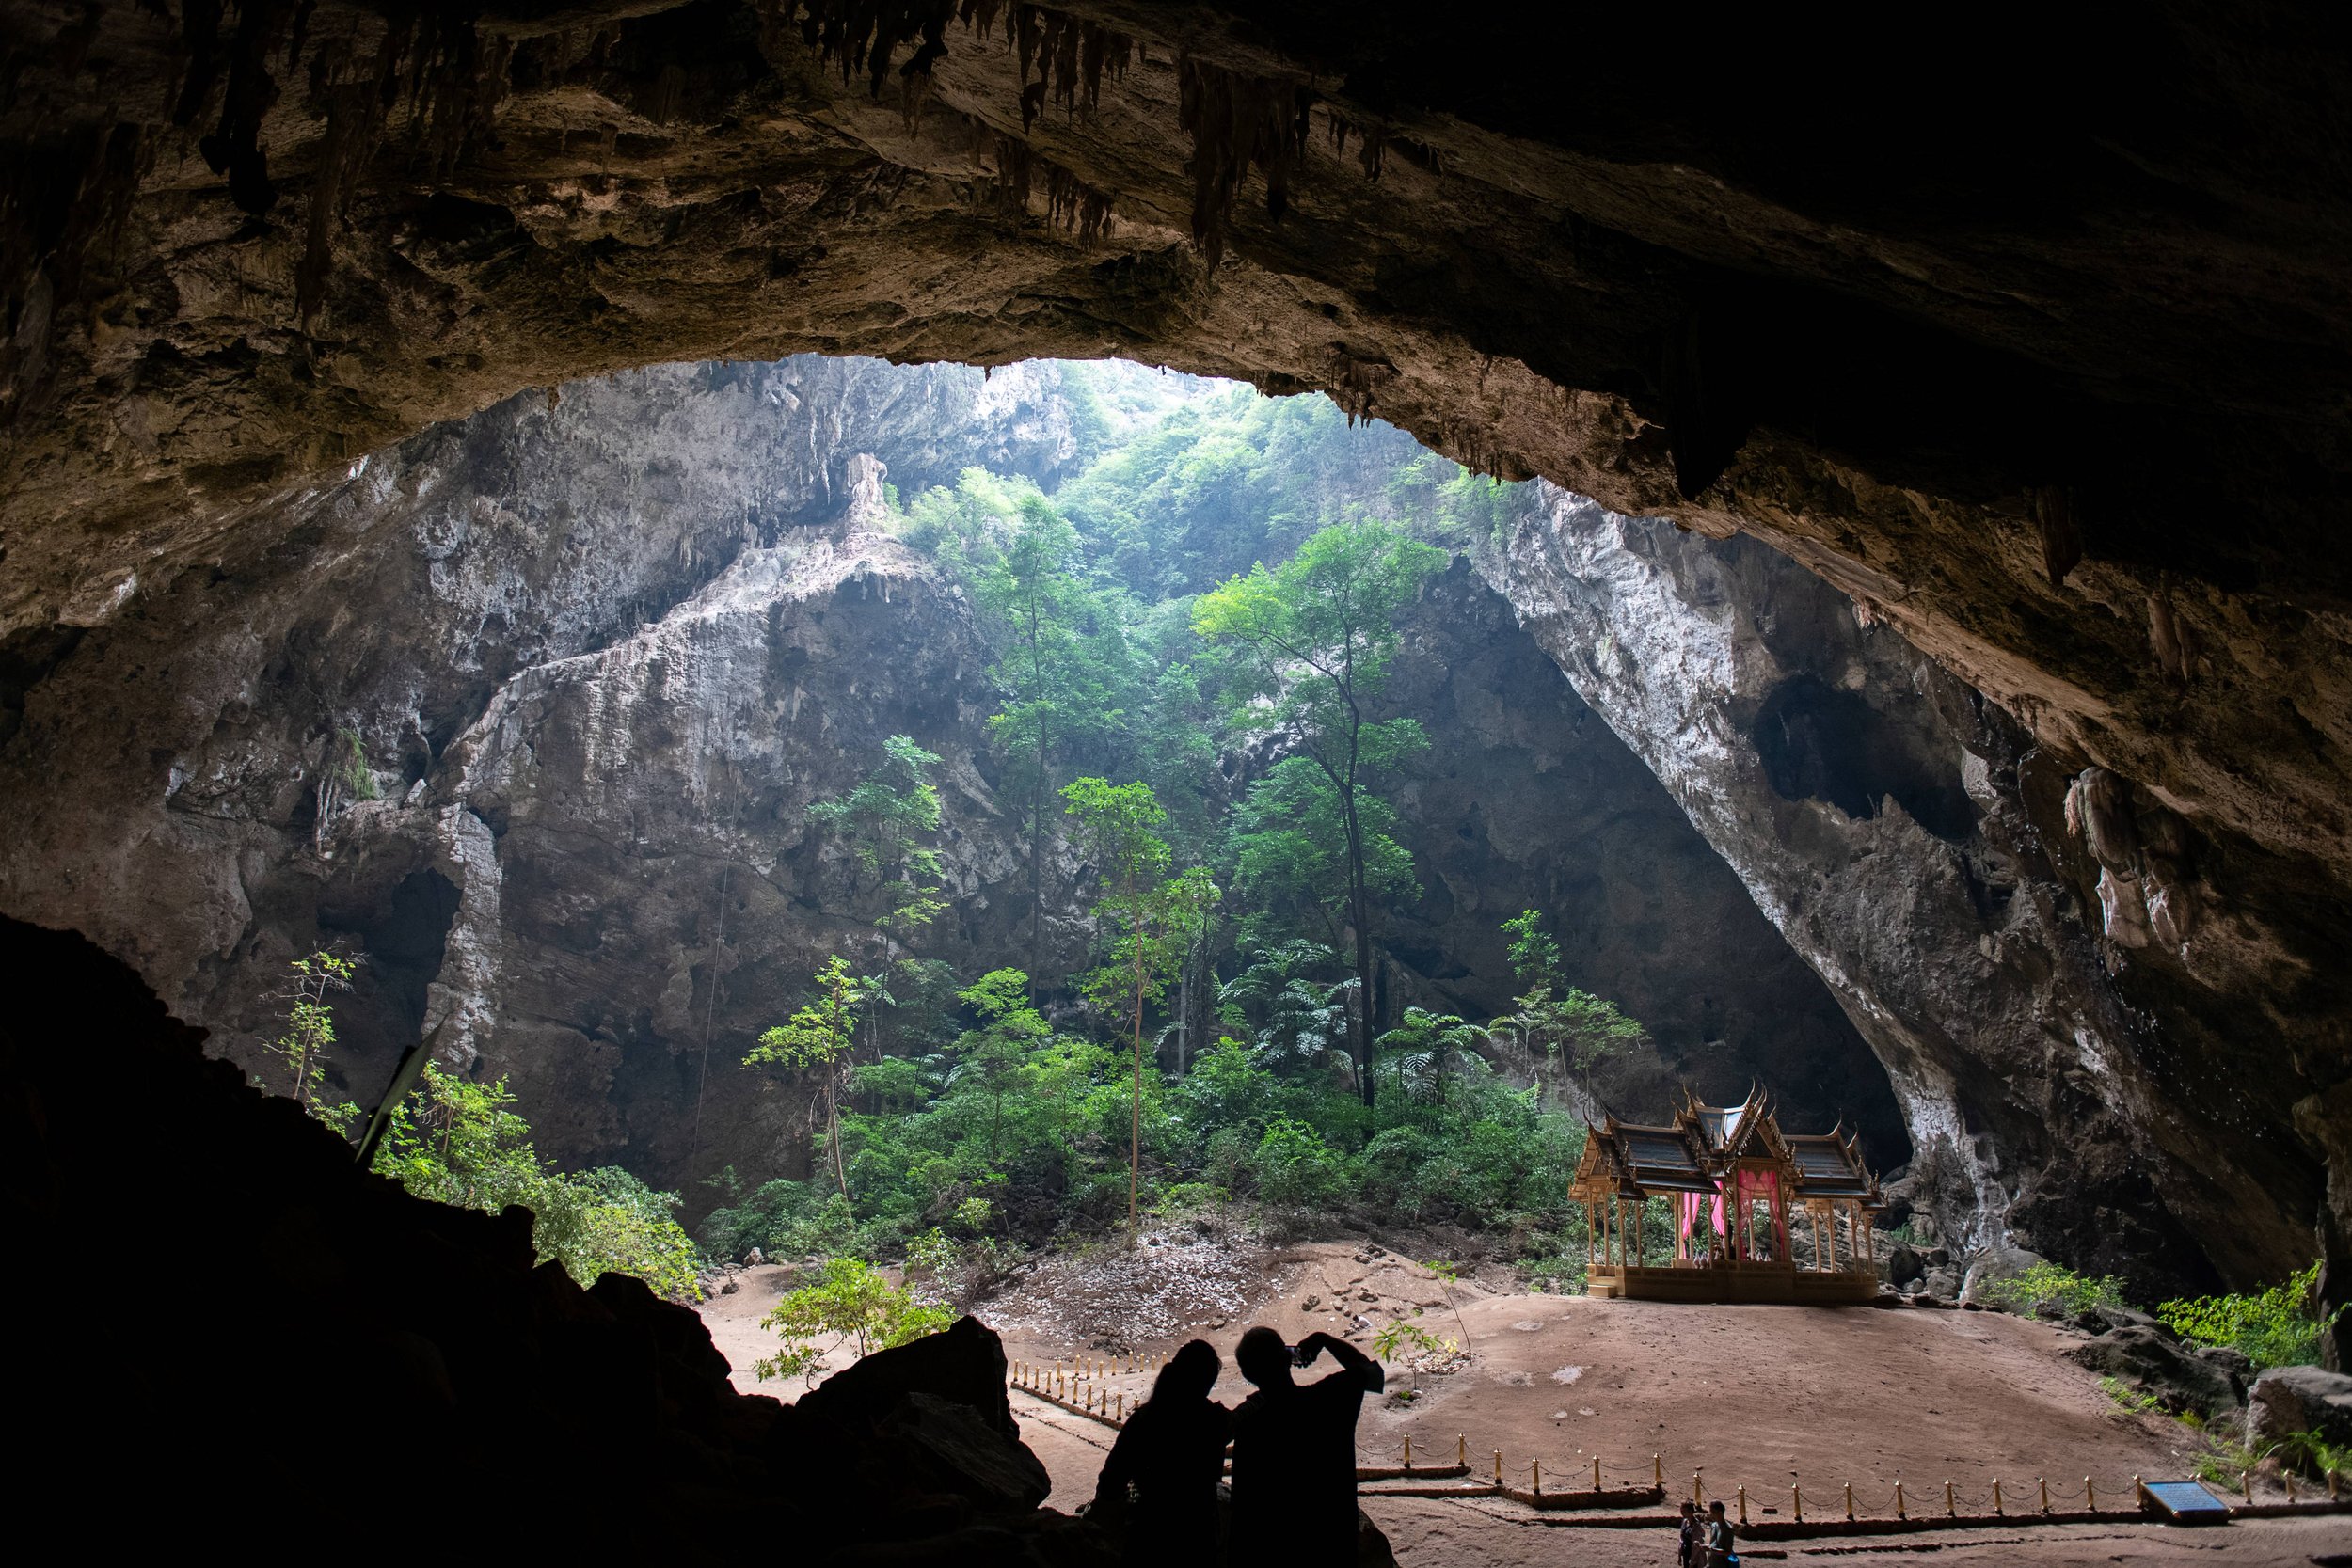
{"x": 1030, "y": 590}
{"x": 1153, "y": 913}
{"x": 818, "y": 1041}
{"x": 1317, "y": 635}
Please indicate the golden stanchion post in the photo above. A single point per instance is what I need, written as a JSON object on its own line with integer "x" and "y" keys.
{"x": 1796, "y": 1501}
{"x": 1849, "y": 1502}
{"x": 1535, "y": 1477}
{"x": 2246, "y": 1479}
{"x": 2331, "y": 1485}
{"x": 1743, "y": 1507}
{"x": 1996, "y": 1497}
{"x": 1122, "y": 1404}
{"x": 1461, "y": 1452}
{"x": 2287, "y": 1476}
{"x": 1698, "y": 1492}
{"x": 1950, "y": 1510}
{"x": 1898, "y": 1500}
{"x": 1658, "y": 1474}
{"x": 2044, "y": 1481}
{"x": 2090, "y": 1494}
{"x": 1498, "y": 1469}
{"x": 1409, "y": 1451}
{"x": 1596, "y": 1472}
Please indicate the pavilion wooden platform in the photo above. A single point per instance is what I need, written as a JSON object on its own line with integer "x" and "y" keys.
{"x": 1764, "y": 1283}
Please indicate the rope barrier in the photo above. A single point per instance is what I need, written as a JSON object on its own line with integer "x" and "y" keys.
{"x": 1075, "y": 1387}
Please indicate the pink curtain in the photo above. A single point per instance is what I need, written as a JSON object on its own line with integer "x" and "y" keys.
{"x": 1689, "y": 1208}
{"x": 1763, "y": 1186}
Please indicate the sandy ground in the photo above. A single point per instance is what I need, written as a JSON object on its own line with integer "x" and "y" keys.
{"x": 1762, "y": 1397}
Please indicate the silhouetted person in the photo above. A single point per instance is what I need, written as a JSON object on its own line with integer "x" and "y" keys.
{"x": 1172, "y": 1453}
{"x": 1295, "y": 1453}
{"x": 1691, "y": 1545}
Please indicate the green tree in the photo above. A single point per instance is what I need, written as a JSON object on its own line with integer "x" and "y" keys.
{"x": 1029, "y": 590}
{"x": 886, "y": 818}
{"x": 992, "y": 1055}
{"x": 818, "y": 1041}
{"x": 310, "y": 1029}
{"x": 1120, "y": 825}
{"x": 851, "y": 1301}
{"x": 1319, "y": 633}
{"x": 1555, "y": 1021}
{"x": 1424, "y": 1047}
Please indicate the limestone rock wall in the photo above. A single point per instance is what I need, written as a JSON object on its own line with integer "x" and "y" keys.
{"x": 1904, "y": 835}
{"x": 595, "y": 651}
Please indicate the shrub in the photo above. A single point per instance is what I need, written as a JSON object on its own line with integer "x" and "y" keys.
{"x": 852, "y": 1303}
{"x": 1295, "y": 1168}
{"x": 2278, "y": 1328}
{"x": 2047, "y": 1281}
{"x": 458, "y": 1142}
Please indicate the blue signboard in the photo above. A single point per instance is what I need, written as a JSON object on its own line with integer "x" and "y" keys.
{"x": 2185, "y": 1502}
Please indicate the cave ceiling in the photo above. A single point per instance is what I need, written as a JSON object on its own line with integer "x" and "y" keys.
{"x": 2033, "y": 336}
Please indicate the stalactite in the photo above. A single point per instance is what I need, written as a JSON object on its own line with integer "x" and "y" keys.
{"x": 1352, "y": 380}
{"x": 2062, "y": 533}
{"x": 1237, "y": 123}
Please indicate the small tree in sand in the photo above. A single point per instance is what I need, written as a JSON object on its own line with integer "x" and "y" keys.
{"x": 818, "y": 1041}
{"x": 850, "y": 1302}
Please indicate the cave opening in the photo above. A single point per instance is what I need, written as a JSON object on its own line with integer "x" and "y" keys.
{"x": 1942, "y": 419}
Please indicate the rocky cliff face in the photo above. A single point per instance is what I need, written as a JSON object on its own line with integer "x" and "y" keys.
{"x": 1906, "y": 836}
{"x": 593, "y": 656}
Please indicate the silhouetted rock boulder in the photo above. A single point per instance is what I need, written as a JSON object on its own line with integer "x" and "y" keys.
{"x": 964, "y": 1364}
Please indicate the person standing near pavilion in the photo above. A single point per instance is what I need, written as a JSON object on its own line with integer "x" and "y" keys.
{"x": 1295, "y": 1453}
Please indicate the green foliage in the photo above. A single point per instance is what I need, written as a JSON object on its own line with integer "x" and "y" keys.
{"x": 460, "y": 1142}
{"x": 817, "y": 1042}
{"x": 886, "y": 818}
{"x": 1298, "y": 1019}
{"x": 349, "y": 759}
{"x": 2313, "y": 1454}
{"x": 2130, "y": 1398}
{"x": 2047, "y": 1281}
{"x": 1534, "y": 954}
{"x": 1555, "y": 1021}
{"x": 1315, "y": 637}
{"x": 1423, "y": 1048}
{"x": 2224, "y": 1459}
{"x": 310, "y": 1029}
{"x": 851, "y": 1303}
{"x": 2278, "y": 1328}
{"x": 1032, "y": 1134}
{"x": 1295, "y": 1168}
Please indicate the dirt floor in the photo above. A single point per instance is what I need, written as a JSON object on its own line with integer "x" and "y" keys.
{"x": 1760, "y": 1397}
